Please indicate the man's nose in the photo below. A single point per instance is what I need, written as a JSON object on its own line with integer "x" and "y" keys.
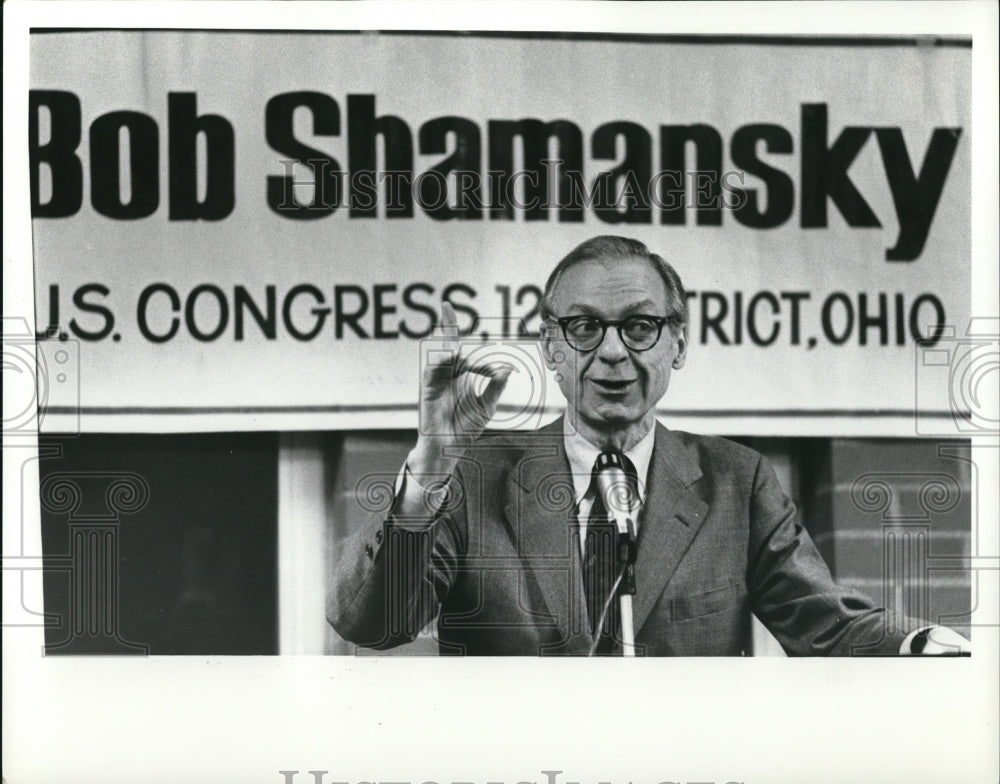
{"x": 612, "y": 349}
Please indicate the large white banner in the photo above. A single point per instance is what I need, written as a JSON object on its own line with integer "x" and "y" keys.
{"x": 257, "y": 229}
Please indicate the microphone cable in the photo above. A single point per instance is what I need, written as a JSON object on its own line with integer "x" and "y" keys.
{"x": 604, "y": 610}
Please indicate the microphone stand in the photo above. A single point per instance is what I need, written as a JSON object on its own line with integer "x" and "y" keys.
{"x": 611, "y": 476}
{"x": 626, "y": 555}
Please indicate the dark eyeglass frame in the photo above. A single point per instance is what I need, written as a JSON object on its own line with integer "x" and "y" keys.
{"x": 659, "y": 321}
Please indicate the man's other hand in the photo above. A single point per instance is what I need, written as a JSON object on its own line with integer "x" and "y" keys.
{"x": 936, "y": 641}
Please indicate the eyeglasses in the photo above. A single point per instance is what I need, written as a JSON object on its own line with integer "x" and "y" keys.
{"x": 639, "y": 333}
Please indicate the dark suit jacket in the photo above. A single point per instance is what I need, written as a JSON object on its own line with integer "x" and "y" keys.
{"x": 718, "y": 539}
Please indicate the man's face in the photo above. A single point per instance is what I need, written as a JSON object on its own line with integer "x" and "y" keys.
{"x": 611, "y": 388}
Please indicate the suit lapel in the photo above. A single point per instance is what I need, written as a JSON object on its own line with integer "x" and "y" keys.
{"x": 539, "y": 508}
{"x": 671, "y": 517}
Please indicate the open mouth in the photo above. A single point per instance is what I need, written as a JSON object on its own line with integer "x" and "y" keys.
{"x": 612, "y": 385}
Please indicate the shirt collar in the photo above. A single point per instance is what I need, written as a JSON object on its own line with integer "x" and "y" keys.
{"x": 582, "y": 454}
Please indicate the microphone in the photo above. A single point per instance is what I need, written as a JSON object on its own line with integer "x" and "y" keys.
{"x": 616, "y": 491}
{"x": 614, "y": 488}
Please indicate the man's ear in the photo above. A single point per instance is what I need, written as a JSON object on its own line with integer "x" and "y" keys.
{"x": 681, "y": 340}
{"x": 548, "y": 334}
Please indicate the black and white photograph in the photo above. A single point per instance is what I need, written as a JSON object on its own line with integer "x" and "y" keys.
{"x": 507, "y": 392}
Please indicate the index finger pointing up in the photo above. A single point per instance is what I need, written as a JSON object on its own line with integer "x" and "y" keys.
{"x": 449, "y": 324}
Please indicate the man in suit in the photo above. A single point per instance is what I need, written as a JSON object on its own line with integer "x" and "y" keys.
{"x": 501, "y": 535}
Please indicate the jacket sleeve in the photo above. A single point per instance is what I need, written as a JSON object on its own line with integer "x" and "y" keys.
{"x": 391, "y": 576}
{"x": 792, "y": 590}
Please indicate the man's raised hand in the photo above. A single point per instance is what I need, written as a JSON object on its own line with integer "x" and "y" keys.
{"x": 457, "y": 399}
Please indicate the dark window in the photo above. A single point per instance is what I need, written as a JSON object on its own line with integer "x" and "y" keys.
{"x": 163, "y": 544}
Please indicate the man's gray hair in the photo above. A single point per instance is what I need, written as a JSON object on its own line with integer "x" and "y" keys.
{"x": 608, "y": 247}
